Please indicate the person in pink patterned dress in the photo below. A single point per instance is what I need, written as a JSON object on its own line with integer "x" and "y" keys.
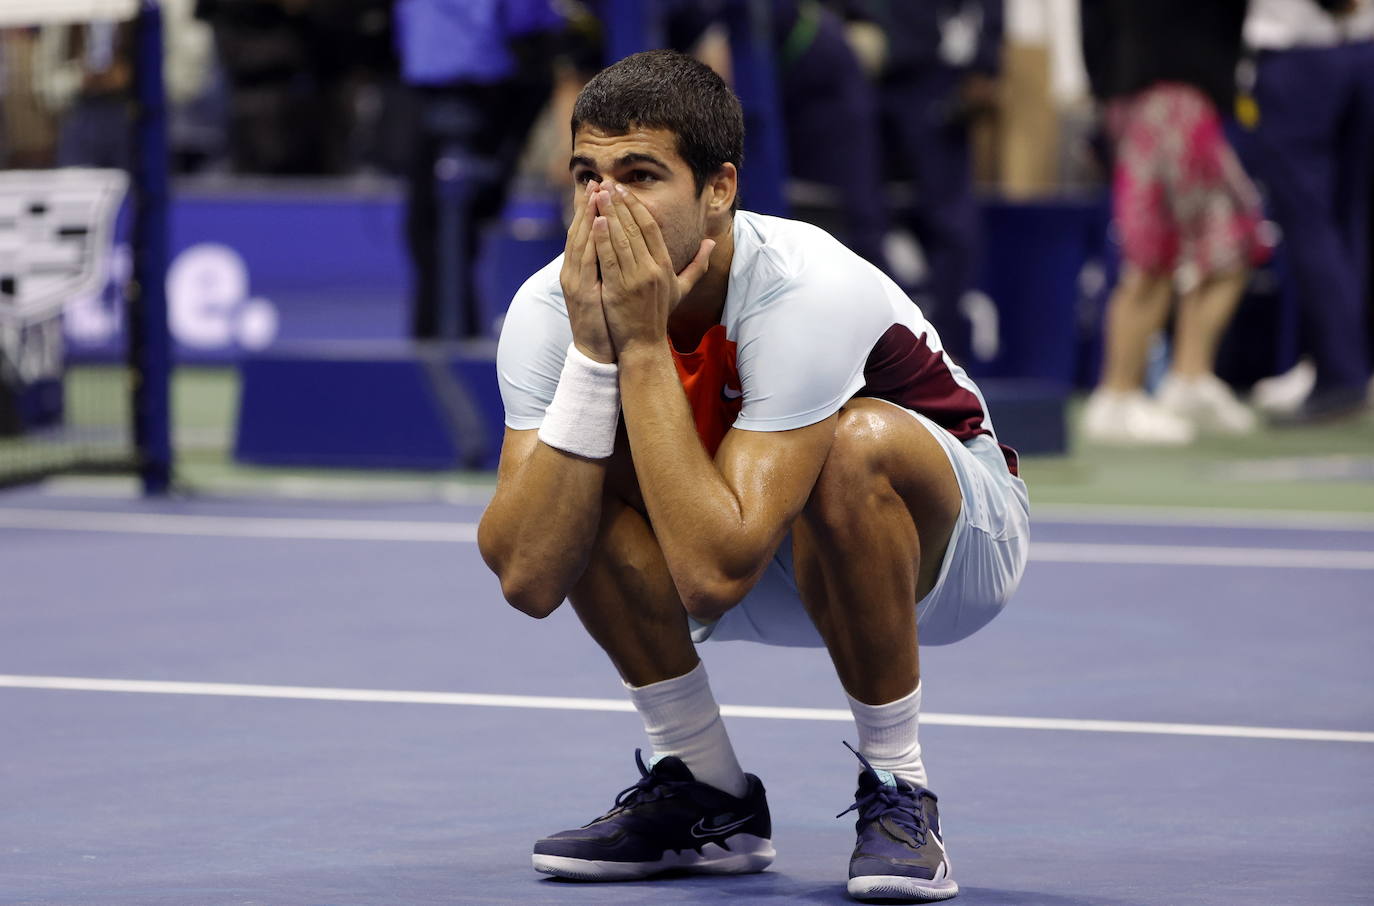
{"x": 1187, "y": 216}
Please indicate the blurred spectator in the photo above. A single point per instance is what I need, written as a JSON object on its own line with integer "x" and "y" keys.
{"x": 1187, "y": 216}
{"x": 939, "y": 77}
{"x": 88, "y": 75}
{"x": 481, "y": 70}
{"x": 1314, "y": 128}
{"x": 28, "y": 132}
{"x": 289, "y": 67}
{"x": 81, "y": 77}
{"x": 828, "y": 93}
{"x": 824, "y": 92}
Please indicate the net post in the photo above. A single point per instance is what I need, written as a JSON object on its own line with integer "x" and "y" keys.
{"x": 150, "y": 347}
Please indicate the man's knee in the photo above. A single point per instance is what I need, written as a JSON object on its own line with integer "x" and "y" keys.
{"x": 856, "y": 469}
{"x": 882, "y": 455}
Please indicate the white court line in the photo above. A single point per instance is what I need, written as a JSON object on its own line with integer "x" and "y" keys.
{"x": 476, "y": 493}
{"x": 558, "y": 703}
{"x": 238, "y": 526}
{"x": 466, "y": 532}
{"x": 288, "y": 487}
{"x": 1199, "y": 517}
{"x": 1179, "y": 555}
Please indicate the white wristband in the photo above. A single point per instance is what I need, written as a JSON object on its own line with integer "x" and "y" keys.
{"x": 586, "y": 408}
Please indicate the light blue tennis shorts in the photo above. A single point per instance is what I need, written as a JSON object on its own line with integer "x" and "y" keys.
{"x": 982, "y": 567}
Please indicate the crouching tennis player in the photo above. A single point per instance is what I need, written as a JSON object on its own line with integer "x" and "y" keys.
{"x": 721, "y": 425}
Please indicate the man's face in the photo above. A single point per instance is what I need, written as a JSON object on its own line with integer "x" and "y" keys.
{"x": 646, "y": 162}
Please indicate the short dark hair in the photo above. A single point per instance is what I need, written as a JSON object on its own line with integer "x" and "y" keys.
{"x": 664, "y": 89}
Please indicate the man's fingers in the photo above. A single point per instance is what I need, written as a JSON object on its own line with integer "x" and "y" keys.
{"x": 620, "y": 241}
{"x": 648, "y": 227}
{"x": 627, "y": 221}
{"x": 576, "y": 225}
{"x": 585, "y": 250}
{"x": 582, "y": 221}
{"x": 695, "y": 270}
{"x": 605, "y": 252}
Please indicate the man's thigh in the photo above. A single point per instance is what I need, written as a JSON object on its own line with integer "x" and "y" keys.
{"x": 978, "y": 568}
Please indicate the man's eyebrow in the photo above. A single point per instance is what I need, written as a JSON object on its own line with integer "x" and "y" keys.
{"x": 638, "y": 157}
{"x": 625, "y": 160}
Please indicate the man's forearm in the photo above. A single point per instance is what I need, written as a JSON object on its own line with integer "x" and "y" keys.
{"x": 695, "y": 514}
{"x": 538, "y": 531}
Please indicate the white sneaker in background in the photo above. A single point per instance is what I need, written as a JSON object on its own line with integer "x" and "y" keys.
{"x": 1284, "y": 393}
{"x": 1132, "y": 419}
{"x": 1208, "y": 403}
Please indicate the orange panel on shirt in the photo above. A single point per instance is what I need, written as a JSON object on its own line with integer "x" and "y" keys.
{"x": 711, "y": 380}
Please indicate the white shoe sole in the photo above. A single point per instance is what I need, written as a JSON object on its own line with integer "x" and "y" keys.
{"x": 898, "y": 887}
{"x": 746, "y": 854}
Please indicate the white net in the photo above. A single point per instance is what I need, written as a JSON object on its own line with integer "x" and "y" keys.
{"x": 66, "y": 140}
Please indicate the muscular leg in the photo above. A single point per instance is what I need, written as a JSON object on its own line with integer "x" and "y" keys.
{"x": 870, "y": 542}
{"x": 628, "y": 603}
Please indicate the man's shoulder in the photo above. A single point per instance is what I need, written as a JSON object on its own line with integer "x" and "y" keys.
{"x": 783, "y": 235}
{"x": 790, "y": 262}
{"x": 537, "y": 313}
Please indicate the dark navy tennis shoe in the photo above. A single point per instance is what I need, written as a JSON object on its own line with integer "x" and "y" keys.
{"x": 667, "y": 821}
{"x": 900, "y": 854}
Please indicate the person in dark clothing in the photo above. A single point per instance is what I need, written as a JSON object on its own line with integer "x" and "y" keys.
{"x": 825, "y": 94}
{"x": 289, "y": 100}
{"x": 1187, "y": 216}
{"x": 944, "y": 55}
{"x": 1313, "y": 142}
{"x": 480, "y": 72}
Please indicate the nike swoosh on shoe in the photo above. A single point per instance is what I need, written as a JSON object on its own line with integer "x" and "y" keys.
{"x": 701, "y": 831}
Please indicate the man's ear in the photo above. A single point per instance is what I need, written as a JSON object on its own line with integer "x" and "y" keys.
{"x": 721, "y": 190}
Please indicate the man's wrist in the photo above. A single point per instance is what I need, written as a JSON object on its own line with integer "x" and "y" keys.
{"x": 637, "y": 353}
{"x": 603, "y": 356}
{"x": 585, "y": 410}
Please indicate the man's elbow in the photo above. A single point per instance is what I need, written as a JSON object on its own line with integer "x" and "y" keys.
{"x": 531, "y": 597}
{"x": 709, "y": 600}
{"x": 524, "y": 589}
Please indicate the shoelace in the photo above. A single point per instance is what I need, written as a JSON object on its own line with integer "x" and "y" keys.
{"x": 648, "y": 787}
{"x": 883, "y": 801}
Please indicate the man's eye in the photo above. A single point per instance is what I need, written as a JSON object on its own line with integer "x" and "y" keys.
{"x": 642, "y": 176}
{"x": 583, "y": 178}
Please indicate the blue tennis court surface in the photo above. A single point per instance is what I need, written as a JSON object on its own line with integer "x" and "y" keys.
{"x": 328, "y": 703}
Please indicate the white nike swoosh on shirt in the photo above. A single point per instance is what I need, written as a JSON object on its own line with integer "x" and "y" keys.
{"x": 700, "y": 830}
{"x": 730, "y": 393}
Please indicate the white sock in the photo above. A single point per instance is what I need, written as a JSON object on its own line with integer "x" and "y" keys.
{"x": 888, "y": 736}
{"x": 682, "y": 718}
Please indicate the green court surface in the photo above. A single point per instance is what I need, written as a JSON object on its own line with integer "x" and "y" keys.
{"x": 1328, "y": 468}
{"x": 93, "y": 433}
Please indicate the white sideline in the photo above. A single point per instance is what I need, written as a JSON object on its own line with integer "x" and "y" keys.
{"x": 466, "y": 532}
{"x": 1202, "y": 555}
{"x": 1200, "y": 517}
{"x": 395, "y": 490}
{"x": 558, "y": 703}
{"x": 237, "y": 526}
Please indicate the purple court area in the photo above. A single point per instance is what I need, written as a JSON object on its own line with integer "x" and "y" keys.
{"x": 140, "y": 798}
